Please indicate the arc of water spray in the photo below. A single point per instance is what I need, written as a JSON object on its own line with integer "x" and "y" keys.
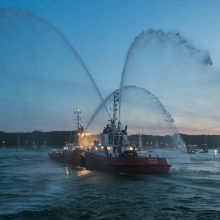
{"x": 164, "y": 110}
{"x": 127, "y": 59}
{"x": 156, "y": 99}
{"x": 177, "y": 38}
{"x": 99, "y": 108}
{"x": 33, "y": 16}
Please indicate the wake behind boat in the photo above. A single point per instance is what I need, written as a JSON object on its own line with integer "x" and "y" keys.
{"x": 72, "y": 151}
{"x": 115, "y": 155}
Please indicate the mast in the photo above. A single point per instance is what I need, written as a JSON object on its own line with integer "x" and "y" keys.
{"x": 115, "y": 108}
{"x": 77, "y": 113}
{"x": 112, "y": 134}
{"x": 79, "y": 127}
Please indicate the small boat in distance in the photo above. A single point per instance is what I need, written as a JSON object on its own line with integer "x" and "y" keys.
{"x": 217, "y": 151}
{"x": 115, "y": 155}
{"x": 191, "y": 150}
{"x": 72, "y": 151}
{"x": 204, "y": 150}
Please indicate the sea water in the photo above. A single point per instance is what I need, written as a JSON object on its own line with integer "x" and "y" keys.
{"x": 34, "y": 187}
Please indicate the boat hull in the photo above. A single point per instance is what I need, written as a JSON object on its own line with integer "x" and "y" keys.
{"x": 72, "y": 157}
{"x": 136, "y": 165}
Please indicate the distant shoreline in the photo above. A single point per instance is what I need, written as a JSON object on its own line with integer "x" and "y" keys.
{"x": 59, "y": 138}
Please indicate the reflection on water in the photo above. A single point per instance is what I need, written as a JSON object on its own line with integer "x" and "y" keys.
{"x": 77, "y": 171}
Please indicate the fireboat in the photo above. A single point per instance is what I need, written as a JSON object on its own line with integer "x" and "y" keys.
{"x": 72, "y": 151}
{"x": 115, "y": 155}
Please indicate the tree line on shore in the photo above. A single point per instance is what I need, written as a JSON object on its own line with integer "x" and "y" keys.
{"x": 59, "y": 138}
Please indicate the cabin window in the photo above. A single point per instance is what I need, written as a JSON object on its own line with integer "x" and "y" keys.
{"x": 110, "y": 139}
{"x": 118, "y": 141}
{"x": 119, "y": 150}
{"x": 114, "y": 149}
{"x": 121, "y": 139}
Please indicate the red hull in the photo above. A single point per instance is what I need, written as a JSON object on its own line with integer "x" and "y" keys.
{"x": 69, "y": 157}
{"x": 134, "y": 165}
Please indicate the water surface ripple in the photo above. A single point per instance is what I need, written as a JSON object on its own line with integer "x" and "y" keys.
{"x": 34, "y": 187}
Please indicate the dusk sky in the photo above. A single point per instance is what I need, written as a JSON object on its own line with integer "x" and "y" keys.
{"x": 176, "y": 58}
